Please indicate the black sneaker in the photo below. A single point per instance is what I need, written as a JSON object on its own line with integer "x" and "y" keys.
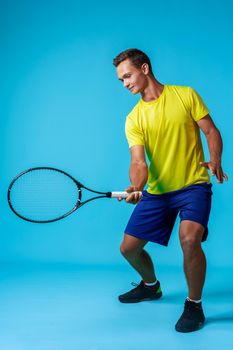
{"x": 141, "y": 293}
{"x": 192, "y": 318}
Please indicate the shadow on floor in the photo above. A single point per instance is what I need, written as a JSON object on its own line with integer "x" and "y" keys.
{"x": 226, "y": 317}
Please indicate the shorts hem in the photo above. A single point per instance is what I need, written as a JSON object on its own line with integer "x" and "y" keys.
{"x": 206, "y": 231}
{"x": 195, "y": 220}
{"x": 147, "y": 240}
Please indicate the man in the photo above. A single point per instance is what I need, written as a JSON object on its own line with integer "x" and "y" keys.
{"x": 165, "y": 123}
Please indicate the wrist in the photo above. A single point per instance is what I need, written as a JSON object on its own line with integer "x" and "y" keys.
{"x": 135, "y": 188}
{"x": 215, "y": 160}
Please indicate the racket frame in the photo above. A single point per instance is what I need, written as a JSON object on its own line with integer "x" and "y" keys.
{"x": 77, "y": 205}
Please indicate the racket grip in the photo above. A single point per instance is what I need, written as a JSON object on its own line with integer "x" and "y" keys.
{"x": 123, "y": 194}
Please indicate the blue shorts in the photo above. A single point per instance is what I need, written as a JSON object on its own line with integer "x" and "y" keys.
{"x": 154, "y": 216}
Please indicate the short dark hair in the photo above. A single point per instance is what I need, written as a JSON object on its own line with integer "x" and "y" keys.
{"x": 137, "y": 58}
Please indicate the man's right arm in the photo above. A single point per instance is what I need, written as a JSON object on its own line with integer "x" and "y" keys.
{"x": 138, "y": 173}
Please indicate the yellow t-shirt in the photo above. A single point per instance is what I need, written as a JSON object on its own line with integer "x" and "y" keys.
{"x": 167, "y": 128}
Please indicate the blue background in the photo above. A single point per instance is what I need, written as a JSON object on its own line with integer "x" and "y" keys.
{"x": 62, "y": 105}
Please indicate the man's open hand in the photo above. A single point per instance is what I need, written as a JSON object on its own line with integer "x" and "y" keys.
{"x": 215, "y": 170}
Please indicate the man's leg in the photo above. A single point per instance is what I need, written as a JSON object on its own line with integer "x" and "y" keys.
{"x": 192, "y": 317}
{"x": 194, "y": 258}
{"x": 139, "y": 259}
{"x": 132, "y": 249}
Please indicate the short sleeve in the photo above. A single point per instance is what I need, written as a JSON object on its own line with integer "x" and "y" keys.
{"x": 197, "y": 105}
{"x": 133, "y": 133}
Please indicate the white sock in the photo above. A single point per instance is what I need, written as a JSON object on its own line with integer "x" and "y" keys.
{"x": 194, "y": 301}
{"x": 150, "y": 284}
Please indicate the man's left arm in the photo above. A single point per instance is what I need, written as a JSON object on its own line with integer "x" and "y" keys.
{"x": 215, "y": 146}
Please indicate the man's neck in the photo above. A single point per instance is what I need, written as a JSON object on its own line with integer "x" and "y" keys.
{"x": 153, "y": 90}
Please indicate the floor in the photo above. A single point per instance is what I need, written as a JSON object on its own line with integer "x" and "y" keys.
{"x": 72, "y": 307}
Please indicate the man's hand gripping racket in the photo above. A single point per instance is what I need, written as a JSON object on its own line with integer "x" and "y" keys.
{"x": 133, "y": 195}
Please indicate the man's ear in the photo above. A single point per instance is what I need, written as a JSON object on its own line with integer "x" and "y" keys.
{"x": 145, "y": 68}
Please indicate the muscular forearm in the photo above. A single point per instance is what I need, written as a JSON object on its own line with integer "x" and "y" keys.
{"x": 138, "y": 174}
{"x": 214, "y": 140}
{"x": 215, "y": 146}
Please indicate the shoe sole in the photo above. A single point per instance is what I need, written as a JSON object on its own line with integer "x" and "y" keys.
{"x": 139, "y": 300}
{"x": 200, "y": 325}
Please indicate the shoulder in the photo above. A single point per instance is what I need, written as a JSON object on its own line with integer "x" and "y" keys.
{"x": 185, "y": 90}
{"x": 180, "y": 89}
{"x": 187, "y": 94}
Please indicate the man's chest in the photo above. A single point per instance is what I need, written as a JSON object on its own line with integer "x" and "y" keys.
{"x": 164, "y": 119}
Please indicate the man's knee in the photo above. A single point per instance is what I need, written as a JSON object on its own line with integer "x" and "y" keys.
{"x": 190, "y": 241}
{"x": 191, "y": 234}
{"x": 127, "y": 251}
{"x": 130, "y": 251}
{"x": 131, "y": 246}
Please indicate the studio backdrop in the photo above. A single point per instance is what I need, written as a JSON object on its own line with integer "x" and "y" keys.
{"x": 63, "y": 106}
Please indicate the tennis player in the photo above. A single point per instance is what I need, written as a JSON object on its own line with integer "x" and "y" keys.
{"x": 166, "y": 123}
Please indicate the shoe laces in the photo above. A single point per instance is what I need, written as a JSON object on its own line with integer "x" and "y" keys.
{"x": 141, "y": 284}
{"x": 137, "y": 285}
{"x": 134, "y": 284}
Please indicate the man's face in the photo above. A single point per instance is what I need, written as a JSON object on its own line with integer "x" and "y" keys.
{"x": 133, "y": 78}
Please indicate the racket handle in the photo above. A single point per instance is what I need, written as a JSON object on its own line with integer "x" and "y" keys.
{"x": 122, "y": 194}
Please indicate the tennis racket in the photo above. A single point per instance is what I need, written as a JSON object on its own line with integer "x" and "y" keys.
{"x": 45, "y": 194}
